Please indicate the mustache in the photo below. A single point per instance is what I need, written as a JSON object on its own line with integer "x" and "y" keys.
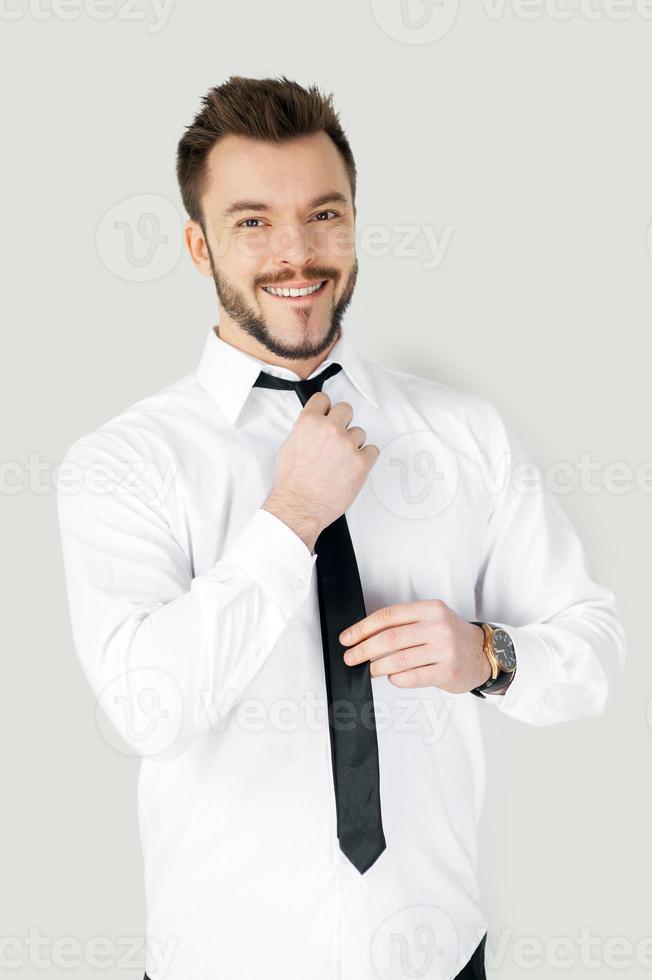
{"x": 313, "y": 276}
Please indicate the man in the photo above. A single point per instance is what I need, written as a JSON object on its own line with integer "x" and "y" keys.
{"x": 297, "y": 568}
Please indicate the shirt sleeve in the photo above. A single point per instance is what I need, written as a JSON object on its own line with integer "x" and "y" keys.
{"x": 534, "y": 582}
{"x": 166, "y": 653}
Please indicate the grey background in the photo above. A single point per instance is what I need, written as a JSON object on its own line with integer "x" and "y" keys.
{"x": 527, "y": 137}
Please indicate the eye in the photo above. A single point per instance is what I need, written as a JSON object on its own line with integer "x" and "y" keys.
{"x": 243, "y": 224}
{"x": 325, "y": 212}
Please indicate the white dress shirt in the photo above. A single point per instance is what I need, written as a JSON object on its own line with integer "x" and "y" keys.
{"x": 196, "y": 620}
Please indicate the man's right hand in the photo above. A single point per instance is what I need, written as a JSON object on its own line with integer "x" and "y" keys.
{"x": 320, "y": 468}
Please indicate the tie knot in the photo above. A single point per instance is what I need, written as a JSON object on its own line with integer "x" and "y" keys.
{"x": 304, "y": 389}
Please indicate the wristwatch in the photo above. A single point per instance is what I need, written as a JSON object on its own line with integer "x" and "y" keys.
{"x": 500, "y": 652}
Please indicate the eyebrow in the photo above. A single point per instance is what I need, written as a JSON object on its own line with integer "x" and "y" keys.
{"x": 261, "y": 206}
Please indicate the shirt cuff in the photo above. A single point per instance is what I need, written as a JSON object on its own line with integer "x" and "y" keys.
{"x": 532, "y": 676}
{"x": 276, "y": 558}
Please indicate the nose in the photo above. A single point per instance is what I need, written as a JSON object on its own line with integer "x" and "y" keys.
{"x": 291, "y": 246}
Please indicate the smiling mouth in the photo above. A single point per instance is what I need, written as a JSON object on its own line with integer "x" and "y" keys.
{"x": 295, "y": 295}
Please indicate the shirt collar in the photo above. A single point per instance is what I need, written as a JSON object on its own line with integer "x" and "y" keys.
{"x": 228, "y": 373}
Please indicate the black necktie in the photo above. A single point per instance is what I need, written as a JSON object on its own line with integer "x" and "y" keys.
{"x": 354, "y": 744}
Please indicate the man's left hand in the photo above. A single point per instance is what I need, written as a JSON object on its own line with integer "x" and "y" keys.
{"x": 419, "y": 644}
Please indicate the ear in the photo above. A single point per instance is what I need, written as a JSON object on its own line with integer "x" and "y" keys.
{"x": 197, "y": 247}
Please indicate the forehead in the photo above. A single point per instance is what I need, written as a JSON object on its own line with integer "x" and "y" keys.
{"x": 283, "y": 174}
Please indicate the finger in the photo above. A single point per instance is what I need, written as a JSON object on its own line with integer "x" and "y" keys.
{"x": 358, "y": 435}
{"x": 317, "y": 404}
{"x": 388, "y": 641}
{"x": 388, "y": 616}
{"x": 416, "y": 677}
{"x": 371, "y": 452}
{"x": 402, "y": 660}
{"x": 342, "y": 411}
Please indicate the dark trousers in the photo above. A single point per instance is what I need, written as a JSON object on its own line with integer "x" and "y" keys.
{"x": 474, "y": 969}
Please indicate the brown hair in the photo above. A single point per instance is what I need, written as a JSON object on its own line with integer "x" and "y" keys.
{"x": 274, "y": 109}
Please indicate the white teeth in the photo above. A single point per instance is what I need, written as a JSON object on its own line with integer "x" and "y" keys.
{"x": 306, "y": 291}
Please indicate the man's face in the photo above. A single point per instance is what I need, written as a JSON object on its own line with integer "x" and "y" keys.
{"x": 281, "y": 216}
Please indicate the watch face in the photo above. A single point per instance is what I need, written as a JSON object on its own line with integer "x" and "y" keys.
{"x": 503, "y": 649}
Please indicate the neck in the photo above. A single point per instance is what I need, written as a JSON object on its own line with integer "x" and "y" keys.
{"x": 301, "y": 366}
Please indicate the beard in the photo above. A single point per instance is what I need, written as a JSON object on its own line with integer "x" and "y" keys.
{"x": 234, "y": 302}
